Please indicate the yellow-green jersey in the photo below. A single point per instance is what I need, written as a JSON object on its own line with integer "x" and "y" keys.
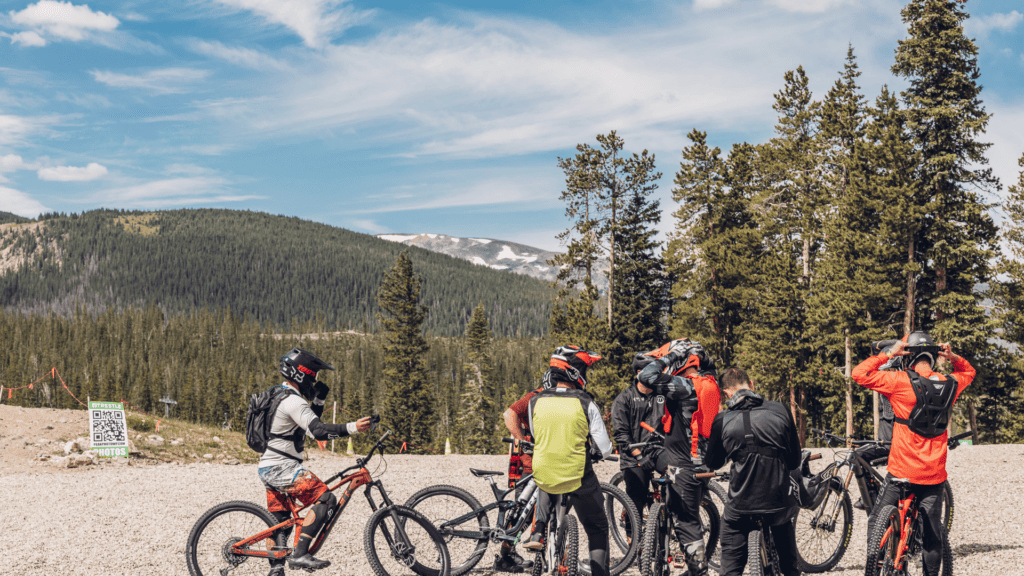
{"x": 561, "y": 421}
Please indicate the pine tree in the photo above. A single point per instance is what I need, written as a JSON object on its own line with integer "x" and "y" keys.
{"x": 477, "y": 414}
{"x": 407, "y": 402}
{"x": 574, "y": 322}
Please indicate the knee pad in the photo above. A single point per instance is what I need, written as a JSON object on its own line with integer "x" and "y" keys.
{"x": 696, "y": 558}
{"x": 324, "y": 507}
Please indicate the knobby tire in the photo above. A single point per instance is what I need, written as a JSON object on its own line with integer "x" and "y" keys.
{"x": 569, "y": 553}
{"x": 465, "y": 553}
{"x": 390, "y": 526}
{"x": 653, "y": 558}
{"x": 816, "y": 550}
{"x": 618, "y": 533}
{"x": 207, "y": 549}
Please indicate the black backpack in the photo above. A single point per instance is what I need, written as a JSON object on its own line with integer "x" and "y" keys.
{"x": 260, "y": 417}
{"x": 930, "y": 416}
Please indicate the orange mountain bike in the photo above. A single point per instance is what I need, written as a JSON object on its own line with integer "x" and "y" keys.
{"x": 895, "y": 545}
{"x": 238, "y": 538}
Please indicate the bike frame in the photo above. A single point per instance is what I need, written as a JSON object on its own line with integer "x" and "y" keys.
{"x": 908, "y": 515}
{"x": 554, "y": 532}
{"x": 359, "y": 478}
{"x": 510, "y": 534}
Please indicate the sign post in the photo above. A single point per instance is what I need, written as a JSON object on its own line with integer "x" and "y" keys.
{"x": 108, "y": 429}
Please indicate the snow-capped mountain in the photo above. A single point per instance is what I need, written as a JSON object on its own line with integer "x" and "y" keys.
{"x": 496, "y": 254}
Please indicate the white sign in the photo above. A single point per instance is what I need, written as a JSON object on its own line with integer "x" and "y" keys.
{"x": 108, "y": 429}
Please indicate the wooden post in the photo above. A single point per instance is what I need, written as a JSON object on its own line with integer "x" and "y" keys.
{"x": 874, "y": 402}
{"x": 334, "y": 420}
{"x": 848, "y": 373}
{"x": 974, "y": 422}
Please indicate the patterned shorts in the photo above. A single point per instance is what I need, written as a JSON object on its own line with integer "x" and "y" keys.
{"x": 290, "y": 481}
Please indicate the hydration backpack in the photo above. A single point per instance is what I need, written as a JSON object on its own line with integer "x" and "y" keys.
{"x": 260, "y": 417}
{"x": 930, "y": 416}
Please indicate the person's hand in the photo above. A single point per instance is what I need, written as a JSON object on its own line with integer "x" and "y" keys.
{"x": 527, "y": 462}
{"x": 635, "y": 452}
{"x": 946, "y": 351}
{"x": 898, "y": 349}
{"x": 363, "y": 424}
{"x": 648, "y": 463}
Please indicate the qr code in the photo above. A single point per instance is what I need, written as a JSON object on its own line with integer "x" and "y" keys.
{"x": 108, "y": 426}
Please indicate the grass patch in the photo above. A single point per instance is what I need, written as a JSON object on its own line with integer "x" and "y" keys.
{"x": 138, "y": 224}
{"x": 196, "y": 440}
{"x": 141, "y": 424}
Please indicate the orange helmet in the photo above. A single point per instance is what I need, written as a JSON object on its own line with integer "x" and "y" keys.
{"x": 697, "y": 358}
{"x": 569, "y": 364}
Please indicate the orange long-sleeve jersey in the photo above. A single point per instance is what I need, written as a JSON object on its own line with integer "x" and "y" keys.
{"x": 918, "y": 459}
{"x": 709, "y": 400}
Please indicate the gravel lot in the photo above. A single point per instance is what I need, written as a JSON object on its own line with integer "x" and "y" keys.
{"x": 134, "y": 519}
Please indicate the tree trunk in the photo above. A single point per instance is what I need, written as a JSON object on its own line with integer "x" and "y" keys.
{"x": 611, "y": 251}
{"x": 807, "y": 261}
{"x": 908, "y": 316}
{"x": 848, "y": 373}
{"x": 874, "y": 408}
{"x": 974, "y": 421}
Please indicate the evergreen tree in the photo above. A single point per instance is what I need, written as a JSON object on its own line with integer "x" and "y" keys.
{"x": 574, "y": 322}
{"x": 477, "y": 422}
{"x": 407, "y": 401}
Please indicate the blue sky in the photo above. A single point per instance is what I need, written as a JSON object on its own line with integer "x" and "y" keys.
{"x": 445, "y": 117}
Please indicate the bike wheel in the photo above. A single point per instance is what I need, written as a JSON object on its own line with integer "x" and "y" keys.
{"x": 718, "y": 496}
{"x": 947, "y": 506}
{"x": 442, "y": 503}
{"x": 625, "y": 532}
{"x": 757, "y": 556}
{"x": 208, "y": 549}
{"x": 567, "y": 547}
{"x": 654, "y": 556}
{"x": 823, "y": 534}
{"x": 711, "y": 526}
{"x": 400, "y": 540}
{"x": 882, "y": 543}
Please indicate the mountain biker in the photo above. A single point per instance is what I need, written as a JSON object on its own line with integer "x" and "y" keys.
{"x": 633, "y": 406}
{"x": 922, "y": 401}
{"x": 515, "y": 418}
{"x": 761, "y": 440}
{"x": 280, "y": 468}
{"x": 683, "y": 373}
{"x": 568, "y": 431}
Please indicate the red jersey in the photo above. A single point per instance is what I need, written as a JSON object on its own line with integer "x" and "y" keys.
{"x": 521, "y": 409}
{"x": 918, "y": 459}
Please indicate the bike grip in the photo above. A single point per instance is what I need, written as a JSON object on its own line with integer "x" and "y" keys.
{"x": 611, "y": 458}
{"x": 962, "y": 436}
{"x": 878, "y": 461}
{"x": 814, "y": 457}
{"x": 705, "y": 475}
{"x": 508, "y": 440}
{"x": 648, "y": 427}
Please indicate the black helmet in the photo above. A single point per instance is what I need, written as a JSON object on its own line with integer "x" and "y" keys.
{"x": 921, "y": 347}
{"x": 569, "y": 364}
{"x": 301, "y": 366}
{"x": 641, "y": 360}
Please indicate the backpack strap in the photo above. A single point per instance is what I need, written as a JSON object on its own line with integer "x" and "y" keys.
{"x": 279, "y": 397}
{"x": 750, "y": 445}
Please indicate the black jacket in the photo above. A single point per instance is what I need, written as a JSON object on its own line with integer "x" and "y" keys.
{"x": 760, "y": 482}
{"x": 630, "y": 408}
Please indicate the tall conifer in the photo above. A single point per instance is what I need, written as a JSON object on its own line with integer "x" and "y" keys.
{"x": 477, "y": 417}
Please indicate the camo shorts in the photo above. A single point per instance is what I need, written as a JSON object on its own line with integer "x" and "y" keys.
{"x": 290, "y": 481}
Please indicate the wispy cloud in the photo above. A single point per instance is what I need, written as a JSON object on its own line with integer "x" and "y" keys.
{"x": 29, "y": 38}
{"x": 17, "y": 129}
{"x": 701, "y": 5}
{"x": 485, "y": 192}
{"x": 315, "y": 21}
{"x": 984, "y": 24}
{"x": 245, "y": 57}
{"x": 163, "y": 81}
{"x": 60, "y": 20}
{"x": 19, "y": 203}
{"x": 809, "y": 6}
{"x": 92, "y": 171}
{"x": 173, "y": 192}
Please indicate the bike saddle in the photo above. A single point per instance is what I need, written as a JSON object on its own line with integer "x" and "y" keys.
{"x": 482, "y": 473}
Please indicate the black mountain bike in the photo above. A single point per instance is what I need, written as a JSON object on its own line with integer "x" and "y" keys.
{"x": 240, "y": 537}
{"x": 466, "y": 528}
{"x": 823, "y": 532}
{"x": 895, "y": 544}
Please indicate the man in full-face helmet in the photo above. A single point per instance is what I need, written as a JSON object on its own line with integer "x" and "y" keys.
{"x": 684, "y": 374}
{"x": 922, "y": 401}
{"x": 568, "y": 430}
{"x": 300, "y": 405}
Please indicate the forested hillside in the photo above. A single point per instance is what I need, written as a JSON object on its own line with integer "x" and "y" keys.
{"x": 274, "y": 270}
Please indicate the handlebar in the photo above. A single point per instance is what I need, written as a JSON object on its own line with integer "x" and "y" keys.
{"x": 707, "y": 475}
{"x": 508, "y": 440}
{"x": 953, "y": 442}
{"x": 814, "y": 457}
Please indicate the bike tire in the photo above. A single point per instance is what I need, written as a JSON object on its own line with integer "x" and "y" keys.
{"x": 717, "y": 495}
{"x": 412, "y": 543}
{"x": 653, "y": 561}
{"x": 206, "y": 550}
{"x": 711, "y": 526}
{"x": 756, "y": 563}
{"x": 442, "y": 502}
{"x": 569, "y": 555}
{"x": 947, "y": 506}
{"x": 819, "y": 549}
{"x": 882, "y": 542}
{"x": 625, "y": 531}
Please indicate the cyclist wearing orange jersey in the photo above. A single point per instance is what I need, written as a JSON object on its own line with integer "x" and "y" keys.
{"x": 922, "y": 401}
{"x": 683, "y": 372}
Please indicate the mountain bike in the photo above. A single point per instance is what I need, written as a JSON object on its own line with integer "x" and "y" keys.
{"x": 464, "y": 523}
{"x": 824, "y": 530}
{"x": 240, "y": 537}
{"x": 895, "y": 544}
{"x": 659, "y": 549}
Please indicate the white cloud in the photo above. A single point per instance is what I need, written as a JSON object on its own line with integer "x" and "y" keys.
{"x": 63, "y": 20}
{"x": 72, "y": 173}
{"x": 163, "y": 81}
{"x": 28, "y": 38}
{"x": 983, "y": 24}
{"x": 701, "y": 5}
{"x": 315, "y": 21}
{"x": 11, "y": 162}
{"x": 368, "y": 226}
{"x": 173, "y": 192}
{"x": 486, "y": 192}
{"x": 15, "y": 129}
{"x": 809, "y": 6}
{"x": 245, "y": 57}
{"x": 19, "y": 203}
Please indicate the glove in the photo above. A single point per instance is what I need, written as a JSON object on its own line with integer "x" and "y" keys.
{"x": 320, "y": 390}
{"x": 596, "y": 455}
{"x": 805, "y": 465}
{"x": 648, "y": 462}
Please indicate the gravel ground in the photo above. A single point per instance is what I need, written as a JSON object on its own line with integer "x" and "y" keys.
{"x": 134, "y": 519}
